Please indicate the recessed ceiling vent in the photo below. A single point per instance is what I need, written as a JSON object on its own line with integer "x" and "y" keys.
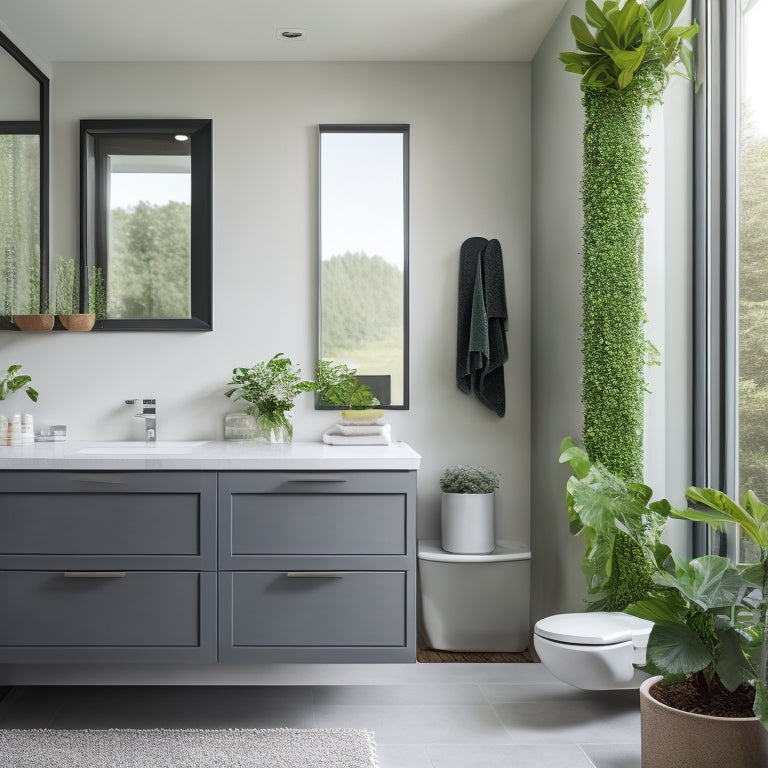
{"x": 293, "y": 34}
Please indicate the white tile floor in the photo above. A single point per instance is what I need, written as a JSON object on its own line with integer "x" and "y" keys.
{"x": 423, "y": 715}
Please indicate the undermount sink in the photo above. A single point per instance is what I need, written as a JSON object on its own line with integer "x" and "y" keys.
{"x": 134, "y": 447}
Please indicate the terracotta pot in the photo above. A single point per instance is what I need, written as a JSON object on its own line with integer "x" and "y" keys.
{"x": 33, "y": 322}
{"x": 467, "y": 522}
{"x": 82, "y": 321}
{"x": 671, "y": 737}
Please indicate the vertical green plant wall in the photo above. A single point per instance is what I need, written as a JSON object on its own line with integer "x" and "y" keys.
{"x": 625, "y": 55}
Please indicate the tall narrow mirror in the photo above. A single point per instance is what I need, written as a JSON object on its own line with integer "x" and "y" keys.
{"x": 363, "y": 248}
{"x": 146, "y": 221}
{"x": 23, "y": 184}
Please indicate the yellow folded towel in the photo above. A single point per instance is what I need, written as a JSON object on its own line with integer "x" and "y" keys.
{"x": 363, "y": 413}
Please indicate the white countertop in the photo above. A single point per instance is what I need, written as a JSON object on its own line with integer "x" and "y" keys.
{"x": 214, "y": 455}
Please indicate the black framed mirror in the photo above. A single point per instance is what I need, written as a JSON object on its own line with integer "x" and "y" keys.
{"x": 363, "y": 254}
{"x": 24, "y": 164}
{"x": 146, "y": 221}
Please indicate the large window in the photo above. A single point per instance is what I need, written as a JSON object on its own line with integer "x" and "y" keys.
{"x": 732, "y": 257}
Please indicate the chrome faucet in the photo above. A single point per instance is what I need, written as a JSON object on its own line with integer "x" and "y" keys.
{"x": 149, "y": 414}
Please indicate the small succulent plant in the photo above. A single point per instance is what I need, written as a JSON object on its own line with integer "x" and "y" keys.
{"x": 468, "y": 479}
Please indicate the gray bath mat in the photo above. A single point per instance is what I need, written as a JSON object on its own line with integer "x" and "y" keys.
{"x": 237, "y": 748}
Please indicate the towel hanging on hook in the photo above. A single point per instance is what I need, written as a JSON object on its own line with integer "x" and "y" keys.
{"x": 481, "y": 341}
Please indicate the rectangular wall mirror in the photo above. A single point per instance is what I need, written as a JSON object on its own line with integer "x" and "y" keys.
{"x": 23, "y": 184}
{"x": 363, "y": 254}
{"x": 146, "y": 221}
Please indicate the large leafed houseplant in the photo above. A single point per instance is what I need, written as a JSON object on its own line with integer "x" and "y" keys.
{"x": 625, "y": 53}
{"x": 708, "y": 644}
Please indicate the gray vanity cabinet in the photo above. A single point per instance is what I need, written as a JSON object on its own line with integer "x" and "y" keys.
{"x": 206, "y": 566}
{"x": 107, "y": 567}
{"x": 317, "y": 566}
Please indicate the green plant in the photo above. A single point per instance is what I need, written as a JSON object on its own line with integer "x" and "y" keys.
{"x": 612, "y": 514}
{"x": 14, "y": 381}
{"x": 625, "y": 54}
{"x": 468, "y": 479}
{"x": 337, "y": 385}
{"x": 67, "y": 287}
{"x": 709, "y": 620}
{"x": 97, "y": 293}
{"x": 271, "y": 387}
{"x": 709, "y": 613}
{"x": 627, "y": 40}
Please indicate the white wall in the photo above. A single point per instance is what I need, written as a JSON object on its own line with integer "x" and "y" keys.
{"x": 470, "y": 142}
{"x": 557, "y": 123}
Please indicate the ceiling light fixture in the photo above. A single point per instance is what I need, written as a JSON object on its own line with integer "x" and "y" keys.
{"x": 291, "y": 34}
{"x": 181, "y": 137}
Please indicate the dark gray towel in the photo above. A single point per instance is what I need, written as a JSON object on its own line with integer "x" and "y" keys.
{"x": 481, "y": 342}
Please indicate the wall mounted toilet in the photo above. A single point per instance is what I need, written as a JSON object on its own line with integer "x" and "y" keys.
{"x": 595, "y": 651}
{"x": 475, "y": 602}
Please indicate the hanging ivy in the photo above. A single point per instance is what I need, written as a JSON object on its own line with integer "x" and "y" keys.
{"x": 625, "y": 55}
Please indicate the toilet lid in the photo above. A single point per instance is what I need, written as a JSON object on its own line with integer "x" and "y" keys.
{"x": 598, "y": 628}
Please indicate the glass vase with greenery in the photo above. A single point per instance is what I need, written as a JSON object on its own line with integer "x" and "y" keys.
{"x": 271, "y": 389}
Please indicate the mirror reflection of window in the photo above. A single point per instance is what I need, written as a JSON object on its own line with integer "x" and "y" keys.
{"x": 363, "y": 255}
{"x": 149, "y": 236}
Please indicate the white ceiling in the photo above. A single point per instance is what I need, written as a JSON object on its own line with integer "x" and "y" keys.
{"x": 247, "y": 30}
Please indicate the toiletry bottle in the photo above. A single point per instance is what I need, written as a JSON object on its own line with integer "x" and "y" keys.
{"x": 14, "y": 430}
{"x": 27, "y": 429}
{"x": 3, "y": 430}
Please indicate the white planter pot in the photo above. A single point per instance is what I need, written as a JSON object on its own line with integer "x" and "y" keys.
{"x": 670, "y": 737}
{"x": 467, "y": 523}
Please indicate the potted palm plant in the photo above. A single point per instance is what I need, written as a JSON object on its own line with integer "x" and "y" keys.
{"x": 467, "y": 512}
{"x": 705, "y": 703}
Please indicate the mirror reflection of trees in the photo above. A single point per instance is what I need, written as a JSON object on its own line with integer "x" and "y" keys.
{"x": 19, "y": 224}
{"x": 362, "y": 326}
{"x": 149, "y": 261}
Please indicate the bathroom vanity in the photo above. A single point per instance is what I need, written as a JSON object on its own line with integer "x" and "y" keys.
{"x": 213, "y": 553}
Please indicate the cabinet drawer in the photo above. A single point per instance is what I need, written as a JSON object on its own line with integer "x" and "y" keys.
{"x": 313, "y": 514}
{"x": 130, "y": 520}
{"x": 307, "y": 609}
{"x": 99, "y": 616}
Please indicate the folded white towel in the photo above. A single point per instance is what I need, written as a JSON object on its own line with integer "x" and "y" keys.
{"x": 333, "y": 437}
{"x": 360, "y": 429}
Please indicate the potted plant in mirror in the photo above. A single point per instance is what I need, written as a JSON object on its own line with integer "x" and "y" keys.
{"x": 97, "y": 294}
{"x": 708, "y": 639}
{"x": 271, "y": 388}
{"x": 337, "y": 385}
{"x": 467, "y": 509}
{"x": 68, "y": 297}
{"x": 33, "y": 319}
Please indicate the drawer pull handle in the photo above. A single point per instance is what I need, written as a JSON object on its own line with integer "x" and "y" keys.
{"x": 318, "y": 479}
{"x": 94, "y": 574}
{"x": 315, "y": 575}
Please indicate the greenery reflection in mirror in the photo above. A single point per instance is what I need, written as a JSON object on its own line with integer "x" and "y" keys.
{"x": 147, "y": 220}
{"x": 364, "y": 255}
